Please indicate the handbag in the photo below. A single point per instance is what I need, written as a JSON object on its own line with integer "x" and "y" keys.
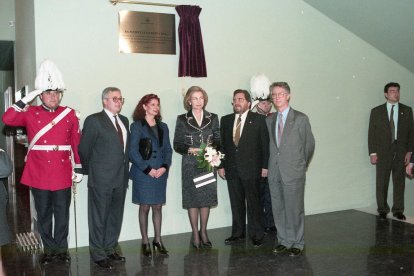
{"x": 145, "y": 148}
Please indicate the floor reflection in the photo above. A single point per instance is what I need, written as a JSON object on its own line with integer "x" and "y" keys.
{"x": 340, "y": 243}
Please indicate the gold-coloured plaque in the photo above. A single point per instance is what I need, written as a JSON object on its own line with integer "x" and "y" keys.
{"x": 146, "y": 32}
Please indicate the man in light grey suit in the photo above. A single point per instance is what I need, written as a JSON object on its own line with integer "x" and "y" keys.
{"x": 104, "y": 142}
{"x": 291, "y": 147}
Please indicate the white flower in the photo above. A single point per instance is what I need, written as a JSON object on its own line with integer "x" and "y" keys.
{"x": 215, "y": 161}
{"x": 209, "y": 154}
{"x": 213, "y": 157}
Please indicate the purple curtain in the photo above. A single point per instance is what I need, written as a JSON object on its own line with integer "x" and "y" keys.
{"x": 192, "y": 60}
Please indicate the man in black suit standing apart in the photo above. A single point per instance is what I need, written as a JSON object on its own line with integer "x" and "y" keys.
{"x": 245, "y": 143}
{"x": 104, "y": 142}
{"x": 390, "y": 145}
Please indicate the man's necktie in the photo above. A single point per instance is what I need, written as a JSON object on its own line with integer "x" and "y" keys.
{"x": 279, "y": 128}
{"x": 392, "y": 125}
{"x": 118, "y": 128}
{"x": 237, "y": 134}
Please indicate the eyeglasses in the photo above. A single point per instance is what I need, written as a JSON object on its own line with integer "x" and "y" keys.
{"x": 240, "y": 100}
{"x": 51, "y": 93}
{"x": 117, "y": 100}
{"x": 278, "y": 95}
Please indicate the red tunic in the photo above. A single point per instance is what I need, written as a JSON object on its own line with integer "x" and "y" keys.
{"x": 47, "y": 169}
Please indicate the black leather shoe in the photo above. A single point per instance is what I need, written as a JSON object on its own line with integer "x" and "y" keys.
{"x": 232, "y": 239}
{"x": 47, "y": 258}
{"x": 399, "y": 216}
{"x": 105, "y": 263}
{"x": 270, "y": 229}
{"x": 382, "y": 215}
{"x": 257, "y": 242}
{"x": 294, "y": 251}
{"x": 279, "y": 249}
{"x": 146, "y": 249}
{"x": 159, "y": 247}
{"x": 116, "y": 257}
{"x": 64, "y": 257}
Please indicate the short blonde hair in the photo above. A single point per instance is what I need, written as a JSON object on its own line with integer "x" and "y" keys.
{"x": 190, "y": 92}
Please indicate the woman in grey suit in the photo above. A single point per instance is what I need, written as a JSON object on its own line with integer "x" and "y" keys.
{"x": 196, "y": 127}
{"x": 150, "y": 154}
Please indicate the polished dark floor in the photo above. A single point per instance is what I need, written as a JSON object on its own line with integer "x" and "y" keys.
{"x": 339, "y": 243}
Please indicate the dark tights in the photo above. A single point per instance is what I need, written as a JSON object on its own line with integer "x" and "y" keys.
{"x": 156, "y": 220}
{"x": 194, "y": 214}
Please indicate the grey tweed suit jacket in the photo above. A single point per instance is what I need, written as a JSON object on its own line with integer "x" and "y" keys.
{"x": 293, "y": 155}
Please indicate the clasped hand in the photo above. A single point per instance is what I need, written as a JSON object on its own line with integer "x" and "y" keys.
{"x": 156, "y": 173}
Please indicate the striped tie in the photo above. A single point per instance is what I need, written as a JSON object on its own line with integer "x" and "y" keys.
{"x": 237, "y": 134}
{"x": 118, "y": 129}
{"x": 279, "y": 128}
{"x": 392, "y": 125}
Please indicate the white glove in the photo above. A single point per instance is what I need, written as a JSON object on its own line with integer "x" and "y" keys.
{"x": 77, "y": 177}
{"x": 31, "y": 95}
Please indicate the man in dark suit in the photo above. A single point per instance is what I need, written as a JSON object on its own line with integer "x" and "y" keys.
{"x": 6, "y": 168}
{"x": 291, "y": 148}
{"x": 245, "y": 143}
{"x": 105, "y": 140}
{"x": 390, "y": 144}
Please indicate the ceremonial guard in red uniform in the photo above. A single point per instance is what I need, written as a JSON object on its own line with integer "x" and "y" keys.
{"x": 52, "y": 161}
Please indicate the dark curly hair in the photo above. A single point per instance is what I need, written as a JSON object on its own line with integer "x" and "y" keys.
{"x": 139, "y": 112}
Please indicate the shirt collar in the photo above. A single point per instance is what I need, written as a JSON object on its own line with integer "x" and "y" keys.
{"x": 285, "y": 112}
{"x": 243, "y": 115}
{"x": 109, "y": 113}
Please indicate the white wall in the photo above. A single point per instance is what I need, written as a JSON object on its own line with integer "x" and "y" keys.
{"x": 25, "y": 57}
{"x": 335, "y": 78}
{"x": 7, "y": 20}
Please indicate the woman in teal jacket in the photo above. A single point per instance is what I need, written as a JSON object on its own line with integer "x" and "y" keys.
{"x": 150, "y": 154}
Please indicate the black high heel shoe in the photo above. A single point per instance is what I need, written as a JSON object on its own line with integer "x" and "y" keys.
{"x": 196, "y": 245}
{"x": 206, "y": 244}
{"x": 146, "y": 249}
{"x": 158, "y": 246}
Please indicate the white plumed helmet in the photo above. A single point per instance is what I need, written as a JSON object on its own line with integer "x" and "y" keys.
{"x": 259, "y": 88}
{"x": 49, "y": 77}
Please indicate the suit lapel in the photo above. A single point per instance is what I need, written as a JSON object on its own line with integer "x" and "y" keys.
{"x": 273, "y": 127}
{"x": 384, "y": 112}
{"x": 229, "y": 127}
{"x": 151, "y": 132}
{"x": 290, "y": 120}
{"x": 401, "y": 119}
{"x": 107, "y": 122}
{"x": 110, "y": 126}
{"x": 386, "y": 120}
{"x": 246, "y": 126}
{"x": 206, "y": 120}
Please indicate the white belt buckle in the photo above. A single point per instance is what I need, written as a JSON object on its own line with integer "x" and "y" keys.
{"x": 56, "y": 148}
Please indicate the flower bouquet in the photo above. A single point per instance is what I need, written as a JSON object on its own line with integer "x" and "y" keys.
{"x": 208, "y": 158}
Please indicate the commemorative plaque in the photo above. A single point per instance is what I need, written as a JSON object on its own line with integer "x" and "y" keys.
{"x": 146, "y": 32}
